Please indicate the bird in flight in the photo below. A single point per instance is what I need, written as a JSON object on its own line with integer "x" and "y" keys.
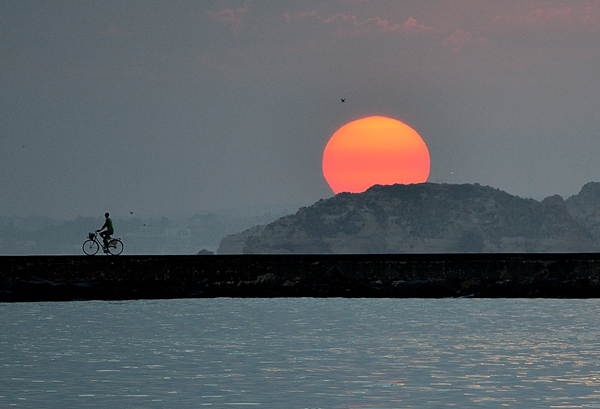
{"x": 343, "y": 99}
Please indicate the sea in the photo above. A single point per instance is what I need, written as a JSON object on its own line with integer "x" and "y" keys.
{"x": 301, "y": 353}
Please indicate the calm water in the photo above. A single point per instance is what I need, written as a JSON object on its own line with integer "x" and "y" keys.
{"x": 301, "y": 353}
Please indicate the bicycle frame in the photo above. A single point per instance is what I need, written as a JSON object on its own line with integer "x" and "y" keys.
{"x": 98, "y": 239}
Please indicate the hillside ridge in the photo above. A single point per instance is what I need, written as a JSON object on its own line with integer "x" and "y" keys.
{"x": 430, "y": 218}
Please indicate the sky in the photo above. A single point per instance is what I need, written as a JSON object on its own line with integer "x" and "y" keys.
{"x": 167, "y": 106}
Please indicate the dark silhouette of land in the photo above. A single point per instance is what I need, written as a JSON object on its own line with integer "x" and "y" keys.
{"x": 430, "y": 218}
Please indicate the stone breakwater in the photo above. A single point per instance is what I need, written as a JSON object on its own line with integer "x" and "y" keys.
{"x": 67, "y": 278}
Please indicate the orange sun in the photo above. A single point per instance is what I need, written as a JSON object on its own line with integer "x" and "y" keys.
{"x": 374, "y": 151}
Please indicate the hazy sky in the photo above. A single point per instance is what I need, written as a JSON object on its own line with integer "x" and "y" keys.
{"x": 161, "y": 106}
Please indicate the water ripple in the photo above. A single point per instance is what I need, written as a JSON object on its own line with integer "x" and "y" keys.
{"x": 301, "y": 353}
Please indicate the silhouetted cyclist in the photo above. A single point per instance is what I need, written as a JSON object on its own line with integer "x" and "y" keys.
{"x": 108, "y": 225}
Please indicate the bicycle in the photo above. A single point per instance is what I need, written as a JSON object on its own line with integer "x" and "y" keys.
{"x": 92, "y": 245}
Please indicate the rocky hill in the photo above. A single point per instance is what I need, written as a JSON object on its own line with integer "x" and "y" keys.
{"x": 585, "y": 209}
{"x": 430, "y": 218}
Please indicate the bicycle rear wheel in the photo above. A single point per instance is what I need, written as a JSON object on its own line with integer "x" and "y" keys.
{"x": 115, "y": 247}
{"x": 90, "y": 247}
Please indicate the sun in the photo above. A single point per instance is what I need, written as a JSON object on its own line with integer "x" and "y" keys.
{"x": 374, "y": 151}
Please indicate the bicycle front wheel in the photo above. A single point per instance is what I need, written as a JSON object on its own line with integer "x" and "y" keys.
{"x": 115, "y": 247}
{"x": 90, "y": 247}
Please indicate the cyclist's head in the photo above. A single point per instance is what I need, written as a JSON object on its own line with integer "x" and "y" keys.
{"x": 105, "y": 214}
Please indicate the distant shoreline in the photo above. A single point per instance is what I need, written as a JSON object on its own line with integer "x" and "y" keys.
{"x": 497, "y": 275}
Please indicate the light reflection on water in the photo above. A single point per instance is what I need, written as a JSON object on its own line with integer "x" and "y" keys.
{"x": 301, "y": 353}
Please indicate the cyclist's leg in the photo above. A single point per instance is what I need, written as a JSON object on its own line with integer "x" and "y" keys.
{"x": 105, "y": 237}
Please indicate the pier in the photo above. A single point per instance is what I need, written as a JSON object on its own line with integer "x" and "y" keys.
{"x": 70, "y": 278}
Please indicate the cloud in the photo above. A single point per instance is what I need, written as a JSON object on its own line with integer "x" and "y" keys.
{"x": 461, "y": 39}
{"x": 573, "y": 16}
{"x": 231, "y": 16}
{"x": 590, "y": 15}
{"x": 356, "y": 25}
{"x": 347, "y": 20}
{"x": 412, "y": 26}
{"x": 537, "y": 17}
{"x": 368, "y": 25}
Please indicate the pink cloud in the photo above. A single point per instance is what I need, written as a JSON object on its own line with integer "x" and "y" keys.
{"x": 573, "y": 16}
{"x": 538, "y": 17}
{"x": 368, "y": 25}
{"x": 232, "y": 16}
{"x": 590, "y": 15}
{"x": 412, "y": 26}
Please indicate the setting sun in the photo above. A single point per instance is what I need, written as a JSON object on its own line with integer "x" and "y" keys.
{"x": 374, "y": 150}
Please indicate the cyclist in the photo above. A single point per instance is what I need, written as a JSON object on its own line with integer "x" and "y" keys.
{"x": 108, "y": 225}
